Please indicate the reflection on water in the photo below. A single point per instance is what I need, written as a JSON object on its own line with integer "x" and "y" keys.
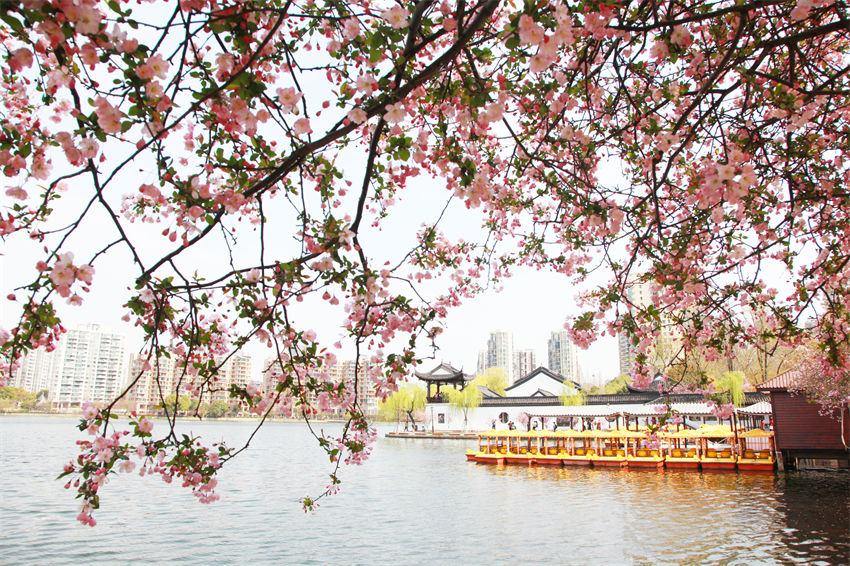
{"x": 415, "y": 501}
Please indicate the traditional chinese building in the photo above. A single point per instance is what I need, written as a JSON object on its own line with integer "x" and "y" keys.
{"x": 807, "y": 435}
{"x": 444, "y": 375}
{"x": 536, "y": 400}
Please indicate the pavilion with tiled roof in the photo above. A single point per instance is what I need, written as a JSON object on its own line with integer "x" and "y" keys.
{"x": 442, "y": 375}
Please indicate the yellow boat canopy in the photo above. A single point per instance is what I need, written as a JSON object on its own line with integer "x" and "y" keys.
{"x": 756, "y": 433}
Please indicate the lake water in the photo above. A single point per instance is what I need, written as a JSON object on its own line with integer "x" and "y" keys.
{"x": 413, "y": 502}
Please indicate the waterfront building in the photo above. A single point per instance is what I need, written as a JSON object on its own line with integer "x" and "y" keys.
{"x": 444, "y": 375}
{"x": 237, "y": 370}
{"x": 167, "y": 374}
{"x": 36, "y": 370}
{"x": 344, "y": 370}
{"x": 341, "y": 371}
{"x": 563, "y": 356}
{"x": 807, "y": 436}
{"x": 526, "y": 361}
{"x": 151, "y": 386}
{"x": 88, "y": 364}
{"x": 535, "y": 399}
{"x": 499, "y": 354}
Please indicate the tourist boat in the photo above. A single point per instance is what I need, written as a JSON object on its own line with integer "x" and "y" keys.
{"x": 550, "y": 446}
{"x": 610, "y": 449}
{"x": 492, "y": 448}
{"x": 639, "y": 450}
{"x": 717, "y": 447}
{"x": 579, "y": 447}
{"x": 755, "y": 451}
{"x": 714, "y": 447}
{"x": 681, "y": 449}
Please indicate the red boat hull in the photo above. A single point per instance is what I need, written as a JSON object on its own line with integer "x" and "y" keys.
{"x": 683, "y": 465}
{"x": 646, "y": 465}
{"x": 718, "y": 465}
{"x": 766, "y": 467}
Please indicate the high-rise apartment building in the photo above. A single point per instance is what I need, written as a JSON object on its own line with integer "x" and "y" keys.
{"x": 36, "y": 370}
{"x": 640, "y": 296}
{"x": 563, "y": 356}
{"x": 499, "y": 354}
{"x": 341, "y": 371}
{"x": 88, "y": 364}
{"x": 237, "y": 370}
{"x": 526, "y": 362}
{"x": 154, "y": 384}
{"x": 165, "y": 376}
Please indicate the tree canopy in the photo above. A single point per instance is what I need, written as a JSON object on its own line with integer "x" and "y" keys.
{"x": 494, "y": 379}
{"x": 465, "y": 399}
{"x": 698, "y": 148}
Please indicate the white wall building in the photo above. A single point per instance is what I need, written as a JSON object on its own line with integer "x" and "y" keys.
{"x": 563, "y": 356}
{"x": 90, "y": 365}
{"x": 540, "y": 385}
{"x": 36, "y": 370}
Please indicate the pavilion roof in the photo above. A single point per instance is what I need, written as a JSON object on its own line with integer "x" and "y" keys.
{"x": 444, "y": 373}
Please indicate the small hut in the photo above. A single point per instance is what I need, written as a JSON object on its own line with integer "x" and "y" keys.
{"x": 807, "y": 435}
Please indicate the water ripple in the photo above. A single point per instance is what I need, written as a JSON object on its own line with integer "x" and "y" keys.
{"x": 414, "y": 502}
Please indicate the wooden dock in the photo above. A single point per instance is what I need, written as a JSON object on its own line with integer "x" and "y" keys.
{"x": 442, "y": 435}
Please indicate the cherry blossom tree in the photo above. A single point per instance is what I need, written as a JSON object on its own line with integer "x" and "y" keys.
{"x": 697, "y": 147}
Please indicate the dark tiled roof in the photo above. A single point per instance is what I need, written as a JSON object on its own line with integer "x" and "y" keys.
{"x": 619, "y": 399}
{"x": 544, "y": 371}
{"x": 443, "y": 372}
{"x": 487, "y": 393}
{"x": 788, "y": 380}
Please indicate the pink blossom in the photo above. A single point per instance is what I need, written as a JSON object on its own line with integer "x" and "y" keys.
{"x": 145, "y": 425}
{"x": 396, "y": 16}
{"x": 357, "y": 115}
{"x": 302, "y": 126}
{"x": 395, "y": 113}
{"x": 288, "y": 98}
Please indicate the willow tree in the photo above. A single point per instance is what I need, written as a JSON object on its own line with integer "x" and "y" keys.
{"x": 570, "y": 396}
{"x": 494, "y": 379}
{"x": 464, "y": 400}
{"x": 697, "y": 147}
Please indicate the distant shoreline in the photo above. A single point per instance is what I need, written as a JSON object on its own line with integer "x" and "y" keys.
{"x": 185, "y": 417}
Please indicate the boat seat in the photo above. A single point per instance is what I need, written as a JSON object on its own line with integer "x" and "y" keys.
{"x": 711, "y": 453}
{"x": 750, "y": 454}
{"x": 607, "y": 452}
{"x": 621, "y": 452}
{"x": 677, "y": 453}
{"x": 653, "y": 452}
{"x": 580, "y": 451}
{"x": 692, "y": 453}
{"x": 763, "y": 455}
{"x": 725, "y": 454}
{"x": 641, "y": 453}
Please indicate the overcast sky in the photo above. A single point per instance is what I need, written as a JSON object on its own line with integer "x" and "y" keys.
{"x": 531, "y": 304}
